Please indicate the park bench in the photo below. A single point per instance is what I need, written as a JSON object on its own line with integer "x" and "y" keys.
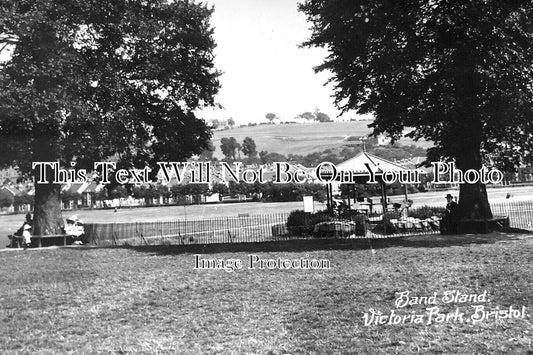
{"x": 38, "y": 238}
{"x": 497, "y": 223}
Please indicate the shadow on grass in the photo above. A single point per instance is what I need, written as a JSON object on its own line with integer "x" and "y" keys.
{"x": 302, "y": 245}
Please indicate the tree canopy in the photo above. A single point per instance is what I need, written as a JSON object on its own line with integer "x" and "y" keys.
{"x": 271, "y": 116}
{"x": 229, "y": 147}
{"x": 269, "y": 158}
{"x": 207, "y": 153}
{"x": 249, "y": 148}
{"x": 457, "y": 73}
{"x": 89, "y": 80}
{"x": 315, "y": 116}
{"x": 322, "y": 117}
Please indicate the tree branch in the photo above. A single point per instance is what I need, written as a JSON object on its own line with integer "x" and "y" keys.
{"x": 7, "y": 39}
{"x": 4, "y": 47}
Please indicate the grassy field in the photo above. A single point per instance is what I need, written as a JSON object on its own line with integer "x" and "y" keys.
{"x": 10, "y": 223}
{"x": 152, "y": 300}
{"x": 300, "y": 138}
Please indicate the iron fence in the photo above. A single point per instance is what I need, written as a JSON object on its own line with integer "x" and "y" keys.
{"x": 244, "y": 228}
{"x": 272, "y": 227}
{"x": 520, "y": 213}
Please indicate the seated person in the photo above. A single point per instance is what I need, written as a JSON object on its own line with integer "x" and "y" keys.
{"x": 19, "y": 233}
{"x": 75, "y": 228}
{"x": 26, "y": 235}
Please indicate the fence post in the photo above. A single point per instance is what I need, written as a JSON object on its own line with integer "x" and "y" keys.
{"x": 137, "y": 230}
{"x": 114, "y": 238}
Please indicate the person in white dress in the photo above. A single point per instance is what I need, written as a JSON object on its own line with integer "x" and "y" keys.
{"x": 26, "y": 235}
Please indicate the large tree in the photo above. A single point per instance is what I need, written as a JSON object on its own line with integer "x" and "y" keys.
{"x": 229, "y": 147}
{"x": 249, "y": 148}
{"x": 459, "y": 73}
{"x": 271, "y": 117}
{"x": 89, "y": 80}
{"x": 322, "y": 117}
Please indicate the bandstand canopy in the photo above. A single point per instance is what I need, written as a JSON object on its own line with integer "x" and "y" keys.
{"x": 359, "y": 167}
{"x": 361, "y": 163}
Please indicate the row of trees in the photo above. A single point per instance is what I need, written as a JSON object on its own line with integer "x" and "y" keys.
{"x": 8, "y": 200}
{"x": 310, "y": 116}
{"x": 267, "y": 192}
{"x": 315, "y": 116}
{"x": 232, "y": 149}
{"x": 22, "y": 200}
{"x": 271, "y": 117}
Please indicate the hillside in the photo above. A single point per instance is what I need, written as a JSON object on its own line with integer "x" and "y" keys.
{"x": 300, "y": 138}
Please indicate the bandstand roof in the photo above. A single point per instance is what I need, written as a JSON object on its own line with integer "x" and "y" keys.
{"x": 358, "y": 165}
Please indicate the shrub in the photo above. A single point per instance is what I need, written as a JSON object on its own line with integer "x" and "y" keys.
{"x": 389, "y": 227}
{"x": 387, "y": 216}
{"x": 6, "y": 199}
{"x": 300, "y": 223}
{"x": 426, "y": 212}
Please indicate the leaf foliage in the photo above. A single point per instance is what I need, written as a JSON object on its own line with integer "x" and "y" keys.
{"x": 92, "y": 80}
{"x": 458, "y": 73}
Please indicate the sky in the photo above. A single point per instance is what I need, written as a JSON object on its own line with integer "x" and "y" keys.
{"x": 264, "y": 68}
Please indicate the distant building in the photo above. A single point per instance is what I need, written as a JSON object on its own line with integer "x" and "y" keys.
{"x": 87, "y": 192}
{"x": 383, "y": 140}
{"x": 10, "y": 174}
{"x": 13, "y": 190}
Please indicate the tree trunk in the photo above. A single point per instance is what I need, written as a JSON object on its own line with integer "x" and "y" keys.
{"x": 473, "y": 200}
{"x": 47, "y": 218}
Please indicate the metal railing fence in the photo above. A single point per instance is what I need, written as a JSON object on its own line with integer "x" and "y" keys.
{"x": 271, "y": 227}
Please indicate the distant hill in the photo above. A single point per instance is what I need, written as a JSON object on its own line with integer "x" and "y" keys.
{"x": 300, "y": 138}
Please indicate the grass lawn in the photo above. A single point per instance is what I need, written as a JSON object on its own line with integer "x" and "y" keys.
{"x": 10, "y": 223}
{"x": 152, "y": 300}
{"x": 521, "y": 217}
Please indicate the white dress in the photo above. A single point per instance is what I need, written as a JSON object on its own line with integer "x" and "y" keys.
{"x": 26, "y": 236}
